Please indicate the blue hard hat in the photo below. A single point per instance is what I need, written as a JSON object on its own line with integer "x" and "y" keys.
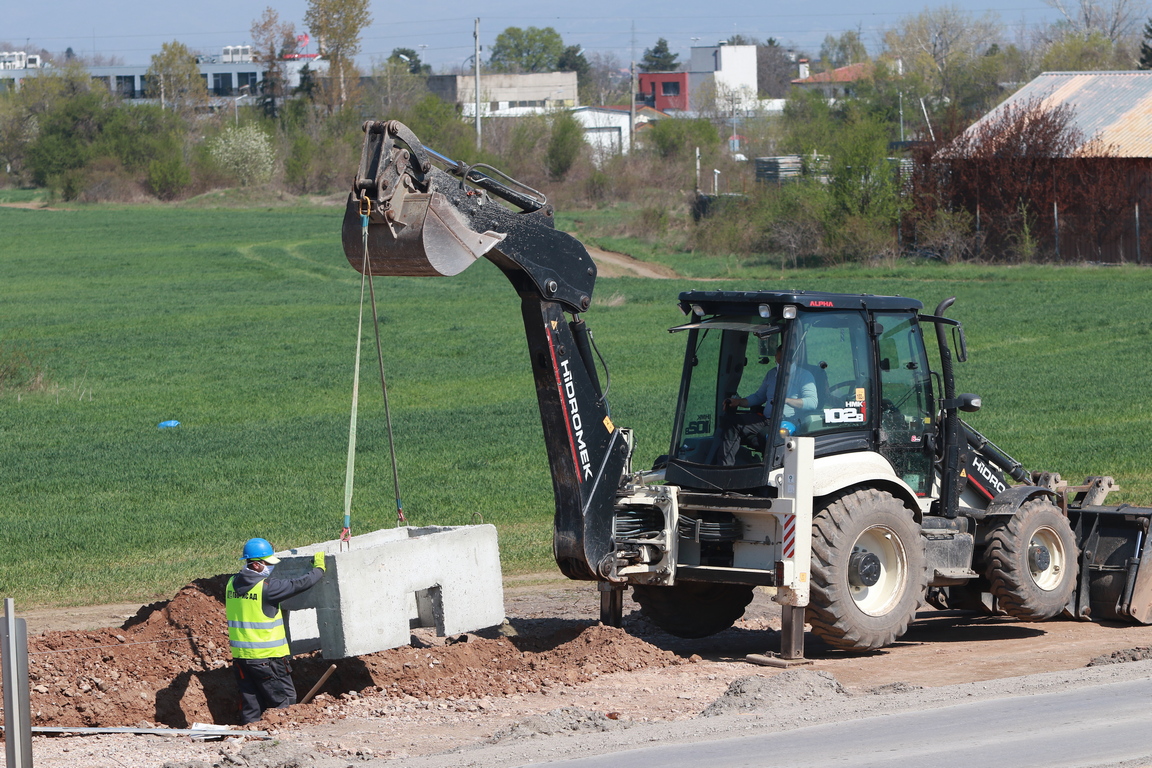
{"x": 259, "y": 549}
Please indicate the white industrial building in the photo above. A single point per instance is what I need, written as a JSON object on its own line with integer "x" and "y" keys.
{"x": 506, "y": 95}
{"x": 231, "y": 73}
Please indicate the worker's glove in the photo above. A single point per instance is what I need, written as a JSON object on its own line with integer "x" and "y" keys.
{"x": 318, "y": 560}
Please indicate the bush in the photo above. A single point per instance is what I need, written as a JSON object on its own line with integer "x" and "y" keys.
{"x": 948, "y": 235}
{"x": 679, "y": 137}
{"x": 168, "y": 177}
{"x": 564, "y": 145}
{"x": 298, "y": 165}
{"x": 246, "y": 153}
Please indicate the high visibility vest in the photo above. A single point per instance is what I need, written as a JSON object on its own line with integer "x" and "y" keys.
{"x": 251, "y": 634}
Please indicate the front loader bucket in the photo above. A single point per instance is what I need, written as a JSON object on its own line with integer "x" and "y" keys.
{"x": 1115, "y": 563}
{"x": 418, "y": 235}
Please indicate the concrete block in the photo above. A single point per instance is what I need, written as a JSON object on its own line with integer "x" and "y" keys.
{"x": 391, "y": 581}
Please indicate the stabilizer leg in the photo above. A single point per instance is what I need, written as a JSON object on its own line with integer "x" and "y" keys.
{"x": 612, "y": 604}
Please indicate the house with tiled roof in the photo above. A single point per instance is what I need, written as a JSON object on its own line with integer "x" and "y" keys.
{"x": 835, "y": 83}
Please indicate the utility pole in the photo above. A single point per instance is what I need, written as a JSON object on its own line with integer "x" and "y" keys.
{"x": 632, "y": 108}
{"x": 632, "y": 95}
{"x": 476, "y": 77}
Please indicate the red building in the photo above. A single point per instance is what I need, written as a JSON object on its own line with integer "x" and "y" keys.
{"x": 664, "y": 90}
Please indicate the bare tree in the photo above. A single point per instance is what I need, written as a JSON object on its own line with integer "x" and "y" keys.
{"x": 1113, "y": 18}
{"x": 608, "y": 80}
{"x": 174, "y": 78}
{"x": 844, "y": 50}
{"x": 393, "y": 88}
{"x": 337, "y": 25}
{"x": 272, "y": 40}
{"x": 938, "y": 44}
{"x": 775, "y": 70}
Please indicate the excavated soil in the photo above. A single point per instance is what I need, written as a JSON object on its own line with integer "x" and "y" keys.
{"x": 550, "y": 672}
{"x": 169, "y": 665}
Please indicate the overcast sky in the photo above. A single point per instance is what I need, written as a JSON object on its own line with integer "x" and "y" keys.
{"x": 442, "y": 29}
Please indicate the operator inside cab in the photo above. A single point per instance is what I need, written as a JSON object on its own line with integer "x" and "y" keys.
{"x": 749, "y": 427}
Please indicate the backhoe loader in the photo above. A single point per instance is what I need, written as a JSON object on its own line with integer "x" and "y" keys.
{"x": 909, "y": 504}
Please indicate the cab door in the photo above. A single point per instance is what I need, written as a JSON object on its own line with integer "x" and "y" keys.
{"x": 906, "y": 417}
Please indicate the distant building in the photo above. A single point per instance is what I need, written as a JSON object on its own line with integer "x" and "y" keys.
{"x": 1112, "y": 107}
{"x": 665, "y": 91}
{"x": 724, "y": 74}
{"x": 1092, "y": 203}
{"x": 506, "y": 95}
{"x": 728, "y": 71}
{"x": 12, "y": 60}
{"x": 230, "y": 74}
{"x": 606, "y": 128}
{"x": 837, "y": 83}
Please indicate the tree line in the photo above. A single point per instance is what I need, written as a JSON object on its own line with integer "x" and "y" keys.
{"x": 931, "y": 75}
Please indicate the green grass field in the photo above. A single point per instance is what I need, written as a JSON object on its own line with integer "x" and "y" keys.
{"x": 241, "y": 325}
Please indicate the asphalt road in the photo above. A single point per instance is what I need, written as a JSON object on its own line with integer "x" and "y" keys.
{"x": 1103, "y": 725}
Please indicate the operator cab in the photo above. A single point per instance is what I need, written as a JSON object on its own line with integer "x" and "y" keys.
{"x": 852, "y": 373}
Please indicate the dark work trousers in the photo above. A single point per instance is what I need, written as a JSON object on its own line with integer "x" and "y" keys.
{"x": 264, "y": 684}
{"x": 747, "y": 428}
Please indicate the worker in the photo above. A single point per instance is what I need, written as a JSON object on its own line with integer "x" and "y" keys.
{"x": 256, "y": 633}
{"x": 800, "y": 393}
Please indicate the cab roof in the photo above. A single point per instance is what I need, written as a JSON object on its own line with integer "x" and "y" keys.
{"x": 748, "y": 302}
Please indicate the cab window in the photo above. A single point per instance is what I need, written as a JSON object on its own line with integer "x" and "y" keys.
{"x": 832, "y": 348}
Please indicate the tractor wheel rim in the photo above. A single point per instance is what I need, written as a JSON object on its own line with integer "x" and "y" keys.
{"x": 1051, "y": 577}
{"x": 881, "y": 597}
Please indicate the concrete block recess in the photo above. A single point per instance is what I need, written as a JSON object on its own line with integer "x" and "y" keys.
{"x": 390, "y": 581}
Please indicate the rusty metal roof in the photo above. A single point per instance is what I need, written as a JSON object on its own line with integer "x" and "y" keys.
{"x": 1114, "y": 107}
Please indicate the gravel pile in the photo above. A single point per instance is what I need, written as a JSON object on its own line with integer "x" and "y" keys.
{"x": 562, "y": 720}
{"x": 785, "y": 690}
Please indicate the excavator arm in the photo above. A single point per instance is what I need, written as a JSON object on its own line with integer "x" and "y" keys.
{"x": 407, "y": 216}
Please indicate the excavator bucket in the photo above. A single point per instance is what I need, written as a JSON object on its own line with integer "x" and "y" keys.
{"x": 398, "y": 220}
{"x": 419, "y": 234}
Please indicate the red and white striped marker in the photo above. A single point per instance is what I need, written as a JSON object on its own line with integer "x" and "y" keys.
{"x": 790, "y": 536}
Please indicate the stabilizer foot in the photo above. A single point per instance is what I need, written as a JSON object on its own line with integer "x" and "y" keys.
{"x": 791, "y": 641}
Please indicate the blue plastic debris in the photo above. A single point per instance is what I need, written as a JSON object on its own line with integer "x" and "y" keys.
{"x": 168, "y": 424}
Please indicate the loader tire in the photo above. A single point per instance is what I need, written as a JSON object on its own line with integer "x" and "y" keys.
{"x": 1032, "y": 561}
{"x": 693, "y": 609}
{"x": 868, "y": 571}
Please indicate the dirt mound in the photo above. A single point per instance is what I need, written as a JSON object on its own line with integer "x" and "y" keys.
{"x": 757, "y": 693}
{"x": 498, "y": 667}
{"x": 1119, "y": 657}
{"x": 169, "y": 664}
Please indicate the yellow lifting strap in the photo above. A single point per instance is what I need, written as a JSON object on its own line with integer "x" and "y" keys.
{"x": 350, "y": 471}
